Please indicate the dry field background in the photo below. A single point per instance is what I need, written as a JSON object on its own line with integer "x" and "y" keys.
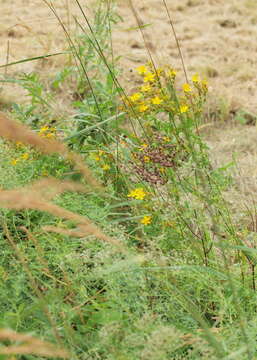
{"x": 217, "y": 37}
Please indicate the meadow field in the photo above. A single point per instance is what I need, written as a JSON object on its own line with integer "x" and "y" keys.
{"x": 128, "y": 215}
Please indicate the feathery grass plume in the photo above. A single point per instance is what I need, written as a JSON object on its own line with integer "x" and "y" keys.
{"x": 31, "y": 345}
{"x": 15, "y": 131}
{"x": 37, "y": 196}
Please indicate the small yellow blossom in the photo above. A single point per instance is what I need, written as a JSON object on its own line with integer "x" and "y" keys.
{"x": 146, "y": 158}
{"x": 166, "y": 138}
{"x": 187, "y": 88}
{"x": 143, "y": 147}
{"x": 142, "y": 108}
{"x": 171, "y": 73}
{"x": 19, "y": 143}
{"x": 156, "y": 100}
{"x": 50, "y": 135}
{"x": 14, "y": 162}
{"x": 195, "y": 78}
{"x": 135, "y": 97}
{"x": 106, "y": 167}
{"x": 25, "y": 156}
{"x": 146, "y": 220}
{"x": 43, "y": 129}
{"x": 96, "y": 158}
{"x": 146, "y": 88}
{"x": 183, "y": 108}
{"x": 142, "y": 69}
{"x": 205, "y": 84}
{"x": 149, "y": 77}
{"x": 138, "y": 194}
{"x": 162, "y": 170}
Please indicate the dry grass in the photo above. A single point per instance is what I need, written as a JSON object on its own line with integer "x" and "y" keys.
{"x": 37, "y": 195}
{"x": 217, "y": 39}
{"x": 30, "y": 345}
{"x": 14, "y": 131}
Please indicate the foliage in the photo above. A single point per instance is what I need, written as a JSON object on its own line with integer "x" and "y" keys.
{"x": 149, "y": 265}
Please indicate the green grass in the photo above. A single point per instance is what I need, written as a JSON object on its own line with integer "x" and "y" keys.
{"x": 183, "y": 284}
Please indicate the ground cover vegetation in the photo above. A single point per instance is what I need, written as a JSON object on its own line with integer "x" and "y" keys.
{"x": 117, "y": 241}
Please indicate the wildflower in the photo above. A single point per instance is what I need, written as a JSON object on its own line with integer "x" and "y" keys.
{"x": 14, "y": 162}
{"x": 159, "y": 71}
{"x": 162, "y": 170}
{"x": 187, "y": 88}
{"x": 43, "y": 129}
{"x": 106, "y": 167}
{"x": 156, "y": 100}
{"x": 49, "y": 135}
{"x": 138, "y": 194}
{"x": 171, "y": 73}
{"x": 143, "y": 146}
{"x": 134, "y": 97}
{"x": 149, "y": 77}
{"x": 96, "y": 158}
{"x": 25, "y": 156}
{"x": 195, "y": 78}
{"x": 205, "y": 85}
{"x": 146, "y": 158}
{"x": 19, "y": 143}
{"x": 142, "y": 69}
{"x": 183, "y": 109}
{"x": 146, "y": 220}
{"x": 142, "y": 108}
{"x": 166, "y": 138}
{"x": 146, "y": 88}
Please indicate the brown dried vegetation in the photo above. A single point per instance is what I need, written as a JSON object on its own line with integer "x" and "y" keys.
{"x": 37, "y": 196}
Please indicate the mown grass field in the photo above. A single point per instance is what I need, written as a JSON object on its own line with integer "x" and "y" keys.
{"x": 128, "y": 230}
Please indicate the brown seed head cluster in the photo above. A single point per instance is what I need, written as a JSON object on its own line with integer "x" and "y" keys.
{"x": 151, "y": 161}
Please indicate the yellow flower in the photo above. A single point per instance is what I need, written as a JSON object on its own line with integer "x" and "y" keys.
{"x": 187, "y": 88}
{"x": 195, "y": 78}
{"x": 50, "y": 135}
{"x": 156, "y": 100}
{"x": 25, "y": 156}
{"x": 143, "y": 146}
{"x": 149, "y": 77}
{"x": 106, "y": 167}
{"x": 146, "y": 220}
{"x": 43, "y": 129}
{"x": 138, "y": 194}
{"x": 183, "y": 108}
{"x": 96, "y": 158}
{"x": 146, "y": 88}
{"x": 19, "y": 143}
{"x": 134, "y": 97}
{"x": 142, "y": 108}
{"x": 166, "y": 138}
{"x": 142, "y": 69}
{"x": 14, "y": 162}
{"x": 146, "y": 158}
{"x": 171, "y": 73}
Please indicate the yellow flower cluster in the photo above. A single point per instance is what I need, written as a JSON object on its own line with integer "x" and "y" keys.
{"x": 24, "y": 156}
{"x": 47, "y": 132}
{"x": 146, "y": 220}
{"x": 101, "y": 157}
{"x": 138, "y": 194}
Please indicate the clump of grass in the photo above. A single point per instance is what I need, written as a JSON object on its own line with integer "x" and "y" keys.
{"x": 29, "y": 345}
